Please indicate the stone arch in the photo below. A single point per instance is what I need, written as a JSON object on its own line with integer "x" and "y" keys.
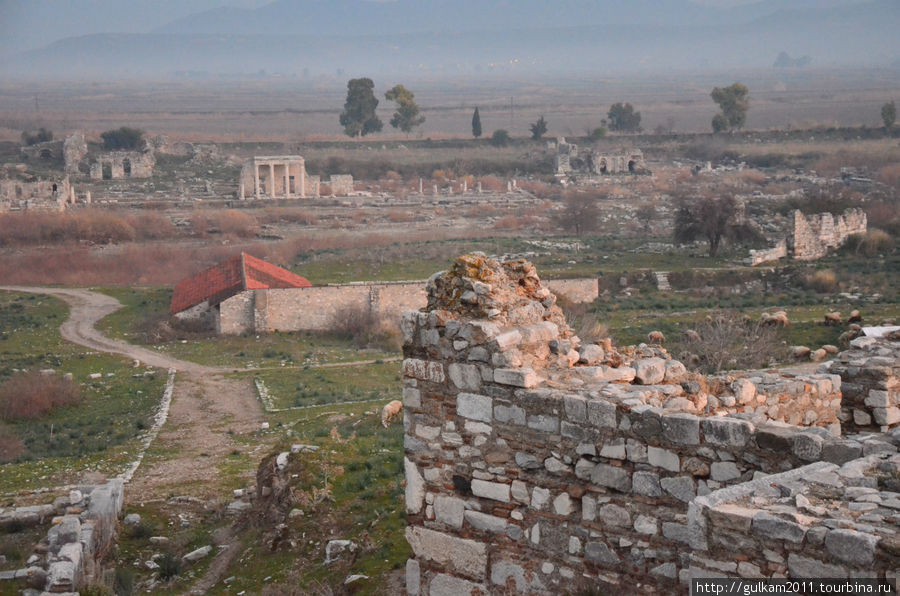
{"x": 126, "y": 167}
{"x": 604, "y": 169}
{"x": 106, "y": 170}
{"x": 632, "y": 165}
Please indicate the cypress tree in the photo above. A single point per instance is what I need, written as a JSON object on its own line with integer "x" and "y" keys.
{"x": 476, "y": 124}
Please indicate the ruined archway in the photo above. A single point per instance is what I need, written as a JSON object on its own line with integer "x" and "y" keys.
{"x": 106, "y": 169}
{"x": 603, "y": 168}
{"x": 126, "y": 167}
{"x": 632, "y": 165}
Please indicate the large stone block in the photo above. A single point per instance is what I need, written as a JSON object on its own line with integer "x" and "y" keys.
{"x": 774, "y": 528}
{"x": 517, "y": 377}
{"x": 726, "y": 432}
{"x": 509, "y": 414}
{"x": 448, "y": 585}
{"x": 601, "y": 414}
{"x": 611, "y": 477}
{"x": 663, "y": 458}
{"x": 449, "y": 510}
{"x": 800, "y": 567}
{"x": 463, "y": 556}
{"x": 415, "y": 487}
{"x": 649, "y": 371}
{"x": 465, "y": 376}
{"x": 423, "y": 370}
{"x": 850, "y": 546}
{"x": 491, "y": 490}
{"x": 475, "y": 407}
{"x": 683, "y": 429}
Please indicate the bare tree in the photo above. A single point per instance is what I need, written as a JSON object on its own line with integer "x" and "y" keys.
{"x": 580, "y": 214}
{"x": 713, "y": 219}
{"x": 729, "y": 341}
{"x": 646, "y": 214}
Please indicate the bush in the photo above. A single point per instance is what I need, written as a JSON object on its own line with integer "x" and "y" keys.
{"x": 11, "y": 447}
{"x": 823, "y": 281}
{"x": 231, "y": 222}
{"x": 31, "y": 395}
{"x": 728, "y": 341}
{"x": 872, "y": 243}
{"x": 153, "y": 226}
{"x": 169, "y": 566}
{"x": 41, "y": 136}
{"x": 365, "y": 328}
{"x": 122, "y": 138}
{"x": 500, "y": 138}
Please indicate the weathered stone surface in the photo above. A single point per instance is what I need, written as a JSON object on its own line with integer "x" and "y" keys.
{"x": 850, "y": 546}
{"x": 663, "y": 458}
{"x": 449, "y": 510}
{"x": 724, "y": 471}
{"x": 683, "y": 429}
{"x": 474, "y": 406}
{"x": 601, "y": 414}
{"x": 727, "y": 432}
{"x": 647, "y": 484}
{"x": 413, "y": 578}
{"x": 614, "y": 515}
{"x": 509, "y": 414}
{"x": 448, "y": 585}
{"x": 649, "y": 371}
{"x": 423, "y": 370}
{"x": 599, "y": 552}
{"x": 517, "y": 377}
{"x": 485, "y": 522}
{"x": 801, "y": 567}
{"x": 465, "y": 376}
{"x": 415, "y": 487}
{"x": 612, "y": 477}
{"x": 774, "y": 528}
{"x": 491, "y": 490}
{"x": 463, "y": 556}
{"x": 680, "y": 487}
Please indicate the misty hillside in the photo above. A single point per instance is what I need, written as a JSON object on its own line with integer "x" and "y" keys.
{"x": 294, "y": 37}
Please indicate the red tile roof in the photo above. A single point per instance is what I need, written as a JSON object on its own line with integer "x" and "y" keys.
{"x": 228, "y": 278}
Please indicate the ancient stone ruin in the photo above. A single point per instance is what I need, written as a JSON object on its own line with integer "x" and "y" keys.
{"x": 274, "y": 177}
{"x": 38, "y": 194}
{"x": 811, "y": 237}
{"x": 569, "y": 161}
{"x": 540, "y": 464}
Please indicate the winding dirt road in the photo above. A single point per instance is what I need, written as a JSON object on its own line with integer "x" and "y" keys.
{"x": 208, "y": 412}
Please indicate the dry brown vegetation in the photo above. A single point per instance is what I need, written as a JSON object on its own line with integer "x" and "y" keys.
{"x": 26, "y": 396}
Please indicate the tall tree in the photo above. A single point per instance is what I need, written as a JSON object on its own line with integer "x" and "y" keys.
{"x": 476, "y": 124}
{"x": 734, "y": 103}
{"x": 889, "y": 114}
{"x": 358, "y": 117}
{"x": 538, "y": 129}
{"x": 714, "y": 219}
{"x": 622, "y": 117}
{"x": 407, "y": 116}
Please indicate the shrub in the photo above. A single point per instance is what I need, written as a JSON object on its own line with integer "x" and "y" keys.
{"x": 169, "y": 566}
{"x": 728, "y": 341}
{"x": 41, "y": 136}
{"x": 31, "y": 395}
{"x": 122, "y": 138}
{"x": 153, "y": 226}
{"x": 365, "y": 328}
{"x": 123, "y": 583}
{"x": 873, "y": 242}
{"x": 823, "y": 281}
{"x": 11, "y": 447}
{"x": 500, "y": 138}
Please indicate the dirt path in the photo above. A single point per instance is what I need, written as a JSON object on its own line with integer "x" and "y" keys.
{"x": 208, "y": 410}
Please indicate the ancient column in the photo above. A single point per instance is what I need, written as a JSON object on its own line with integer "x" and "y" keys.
{"x": 287, "y": 179}
{"x": 256, "y": 178}
{"x": 272, "y": 180}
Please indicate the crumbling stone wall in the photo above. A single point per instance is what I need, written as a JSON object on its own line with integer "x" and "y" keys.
{"x": 568, "y": 160}
{"x": 341, "y": 185}
{"x": 811, "y": 237}
{"x": 870, "y": 375}
{"x": 41, "y": 194}
{"x": 123, "y": 164}
{"x": 314, "y": 309}
{"x": 538, "y": 464}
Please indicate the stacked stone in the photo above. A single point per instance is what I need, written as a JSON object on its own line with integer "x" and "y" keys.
{"x": 870, "y": 372}
{"x": 533, "y": 466}
{"x": 81, "y": 534}
{"x": 818, "y": 521}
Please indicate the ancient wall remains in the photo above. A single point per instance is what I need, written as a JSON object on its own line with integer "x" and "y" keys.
{"x": 811, "y": 237}
{"x": 116, "y": 165}
{"x": 41, "y": 194}
{"x": 84, "y": 528}
{"x": 46, "y": 151}
{"x": 870, "y": 381}
{"x": 341, "y": 185}
{"x": 273, "y": 177}
{"x": 315, "y": 309}
{"x": 567, "y": 160}
{"x": 538, "y": 464}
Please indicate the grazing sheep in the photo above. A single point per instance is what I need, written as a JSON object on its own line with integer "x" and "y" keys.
{"x": 390, "y": 411}
{"x": 833, "y": 318}
{"x": 691, "y": 335}
{"x": 855, "y": 317}
{"x": 656, "y": 337}
{"x": 777, "y": 318}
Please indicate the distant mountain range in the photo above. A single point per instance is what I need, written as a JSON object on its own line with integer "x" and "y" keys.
{"x": 297, "y": 37}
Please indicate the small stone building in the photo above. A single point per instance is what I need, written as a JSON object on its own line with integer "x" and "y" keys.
{"x": 219, "y": 295}
{"x": 811, "y": 237}
{"x": 274, "y": 177}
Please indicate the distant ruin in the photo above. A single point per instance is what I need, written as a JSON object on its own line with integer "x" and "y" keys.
{"x": 39, "y": 194}
{"x": 273, "y": 177}
{"x": 569, "y": 161}
{"x": 539, "y": 464}
{"x": 811, "y": 237}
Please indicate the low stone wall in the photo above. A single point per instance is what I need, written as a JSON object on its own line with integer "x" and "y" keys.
{"x": 536, "y": 464}
{"x": 812, "y": 522}
{"x": 757, "y": 257}
{"x": 870, "y": 374}
{"x": 84, "y": 528}
{"x": 315, "y": 309}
